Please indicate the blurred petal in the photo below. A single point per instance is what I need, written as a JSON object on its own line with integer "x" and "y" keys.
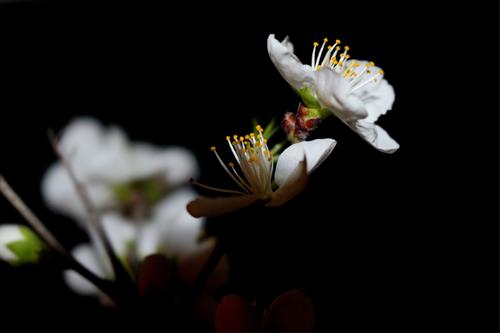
{"x": 375, "y": 135}
{"x": 211, "y": 207}
{"x": 121, "y": 232}
{"x": 176, "y": 164}
{"x": 292, "y": 311}
{"x": 235, "y": 314}
{"x": 60, "y": 195}
{"x": 9, "y": 233}
{"x": 86, "y": 256}
{"x": 315, "y": 152}
{"x": 293, "y": 186}
{"x": 288, "y": 65}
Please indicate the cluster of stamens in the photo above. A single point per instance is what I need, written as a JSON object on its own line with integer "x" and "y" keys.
{"x": 357, "y": 75}
{"x": 254, "y": 160}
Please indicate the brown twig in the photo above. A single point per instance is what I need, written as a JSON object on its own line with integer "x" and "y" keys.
{"x": 48, "y": 238}
{"x": 121, "y": 274}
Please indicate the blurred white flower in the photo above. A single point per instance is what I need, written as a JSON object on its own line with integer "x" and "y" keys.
{"x": 19, "y": 245}
{"x": 137, "y": 188}
{"x": 256, "y": 163}
{"x": 354, "y": 91}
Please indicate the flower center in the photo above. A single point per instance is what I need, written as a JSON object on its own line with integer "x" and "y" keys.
{"x": 357, "y": 75}
{"x": 254, "y": 160}
{"x": 138, "y": 197}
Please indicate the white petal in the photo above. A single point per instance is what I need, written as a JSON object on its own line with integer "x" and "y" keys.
{"x": 288, "y": 65}
{"x": 315, "y": 152}
{"x": 86, "y": 256}
{"x": 211, "y": 207}
{"x": 295, "y": 183}
{"x": 333, "y": 92}
{"x": 172, "y": 228}
{"x": 176, "y": 164}
{"x": 9, "y": 233}
{"x": 60, "y": 195}
{"x": 375, "y": 135}
{"x": 120, "y": 231}
{"x": 148, "y": 240}
{"x": 80, "y": 135}
{"x": 286, "y": 42}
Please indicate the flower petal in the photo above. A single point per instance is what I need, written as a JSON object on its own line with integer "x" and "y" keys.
{"x": 334, "y": 93}
{"x": 315, "y": 151}
{"x": 176, "y": 164}
{"x": 211, "y": 207}
{"x": 86, "y": 256}
{"x": 9, "y": 233}
{"x": 120, "y": 231}
{"x": 60, "y": 195}
{"x": 294, "y": 184}
{"x": 235, "y": 314}
{"x": 288, "y": 65}
{"x": 375, "y": 135}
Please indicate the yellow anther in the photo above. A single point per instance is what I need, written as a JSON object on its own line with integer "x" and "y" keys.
{"x": 213, "y": 148}
{"x": 235, "y": 137}
{"x": 371, "y": 64}
{"x": 355, "y": 65}
{"x": 265, "y": 141}
{"x": 315, "y": 44}
{"x": 329, "y": 47}
{"x": 337, "y": 48}
{"x": 347, "y": 56}
{"x": 258, "y": 128}
{"x": 318, "y": 67}
{"x": 252, "y": 135}
{"x": 381, "y": 72}
{"x": 325, "y": 40}
{"x": 266, "y": 152}
{"x": 247, "y": 137}
{"x": 242, "y": 139}
{"x": 340, "y": 63}
{"x": 337, "y": 41}
{"x": 231, "y": 164}
{"x": 346, "y": 48}
{"x": 228, "y": 138}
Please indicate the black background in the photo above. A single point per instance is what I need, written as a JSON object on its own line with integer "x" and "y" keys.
{"x": 403, "y": 242}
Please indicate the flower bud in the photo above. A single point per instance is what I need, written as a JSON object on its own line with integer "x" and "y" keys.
{"x": 19, "y": 245}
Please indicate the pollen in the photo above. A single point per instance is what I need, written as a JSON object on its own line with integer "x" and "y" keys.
{"x": 325, "y": 40}
{"x": 337, "y": 41}
{"x": 213, "y": 148}
{"x": 228, "y": 138}
{"x": 346, "y": 48}
{"x": 330, "y": 47}
{"x": 231, "y": 164}
{"x": 315, "y": 44}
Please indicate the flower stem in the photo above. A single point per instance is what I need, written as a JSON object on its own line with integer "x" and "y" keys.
{"x": 122, "y": 277}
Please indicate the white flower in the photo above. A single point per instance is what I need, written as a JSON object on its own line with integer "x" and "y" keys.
{"x": 354, "y": 91}
{"x": 255, "y": 162}
{"x": 19, "y": 245}
{"x": 138, "y": 190}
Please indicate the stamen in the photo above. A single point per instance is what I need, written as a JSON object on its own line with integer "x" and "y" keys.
{"x": 313, "y": 58}
{"x": 217, "y": 189}
{"x": 227, "y": 170}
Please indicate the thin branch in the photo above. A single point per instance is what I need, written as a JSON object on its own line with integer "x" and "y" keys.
{"x": 49, "y": 239}
{"x": 121, "y": 273}
{"x": 31, "y": 218}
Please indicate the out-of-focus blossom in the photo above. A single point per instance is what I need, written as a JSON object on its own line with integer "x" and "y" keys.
{"x": 354, "y": 91}
{"x": 19, "y": 245}
{"x": 256, "y": 165}
{"x": 139, "y": 191}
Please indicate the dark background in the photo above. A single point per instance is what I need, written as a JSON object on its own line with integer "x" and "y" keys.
{"x": 403, "y": 242}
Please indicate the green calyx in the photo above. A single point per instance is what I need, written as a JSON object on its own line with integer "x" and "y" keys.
{"x": 315, "y": 110}
{"x": 28, "y": 250}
